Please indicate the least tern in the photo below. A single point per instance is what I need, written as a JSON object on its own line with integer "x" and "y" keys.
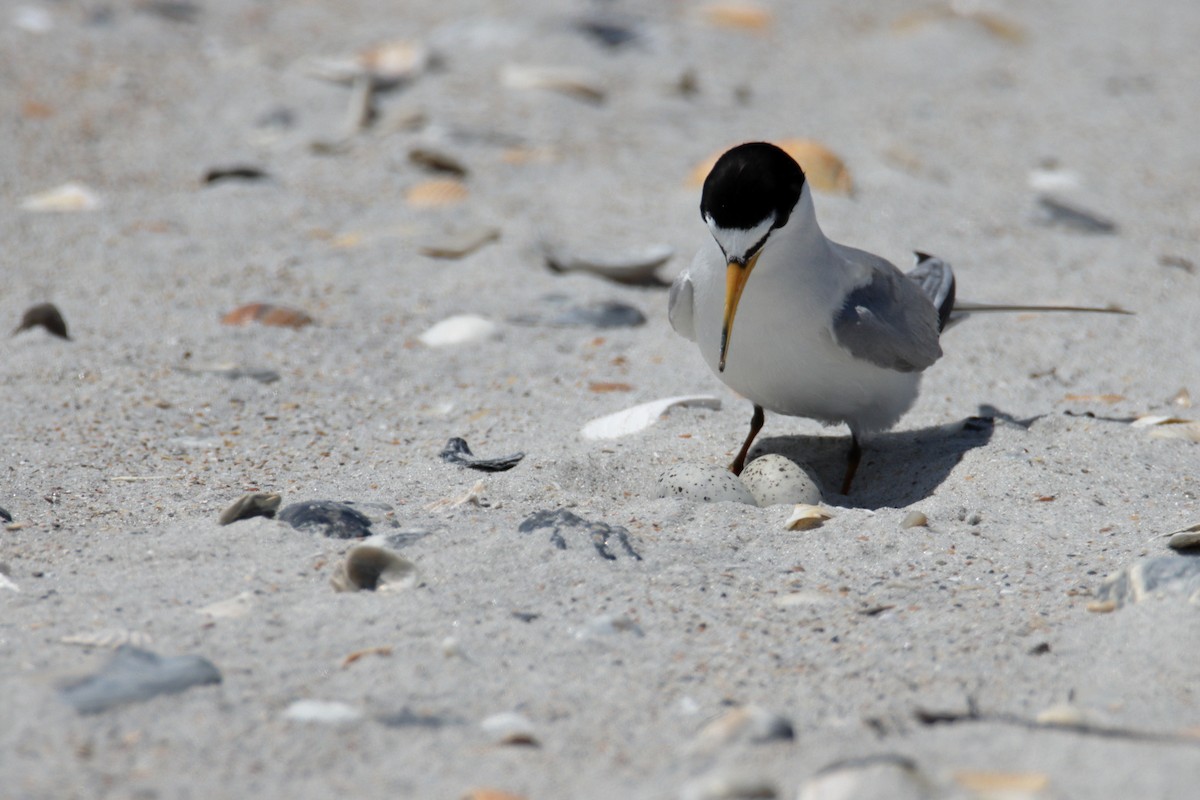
{"x": 825, "y": 331}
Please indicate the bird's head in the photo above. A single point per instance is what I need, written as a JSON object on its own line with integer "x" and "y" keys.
{"x": 749, "y": 193}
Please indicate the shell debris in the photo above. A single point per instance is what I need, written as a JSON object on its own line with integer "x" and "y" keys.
{"x": 805, "y": 517}
{"x": 747, "y": 16}
{"x": 267, "y": 314}
{"x": 386, "y": 64}
{"x": 370, "y": 568}
{"x": 640, "y": 417}
{"x": 66, "y": 198}
{"x": 436, "y": 193}
{"x": 44, "y": 315}
{"x": 578, "y": 83}
{"x": 459, "y": 329}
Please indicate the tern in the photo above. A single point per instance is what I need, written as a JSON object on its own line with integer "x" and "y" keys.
{"x": 823, "y": 330}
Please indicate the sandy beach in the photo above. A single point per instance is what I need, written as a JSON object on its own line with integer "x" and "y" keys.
{"x": 310, "y": 155}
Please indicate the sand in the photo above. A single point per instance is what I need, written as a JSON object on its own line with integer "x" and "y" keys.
{"x": 122, "y": 450}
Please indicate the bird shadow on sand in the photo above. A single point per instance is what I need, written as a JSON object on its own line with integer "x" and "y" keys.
{"x": 897, "y": 469}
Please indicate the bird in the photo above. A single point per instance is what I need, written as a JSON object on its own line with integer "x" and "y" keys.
{"x": 803, "y": 326}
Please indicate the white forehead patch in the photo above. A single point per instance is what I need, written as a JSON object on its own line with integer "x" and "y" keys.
{"x": 736, "y": 242}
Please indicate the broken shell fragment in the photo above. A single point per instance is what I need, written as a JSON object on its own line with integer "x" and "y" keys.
{"x": 45, "y": 315}
{"x": 748, "y": 16}
{"x": 436, "y": 193}
{"x": 437, "y": 161}
{"x": 68, "y": 197}
{"x": 640, "y": 417}
{"x": 457, "y": 451}
{"x": 805, "y": 517}
{"x": 578, "y": 83}
{"x": 267, "y": 314}
{"x": 255, "y": 504}
{"x": 370, "y": 568}
{"x": 110, "y": 638}
{"x": 914, "y": 519}
{"x": 510, "y": 728}
{"x": 632, "y": 266}
{"x": 387, "y": 65}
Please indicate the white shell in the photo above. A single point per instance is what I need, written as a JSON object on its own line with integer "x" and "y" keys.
{"x": 805, "y": 516}
{"x": 569, "y": 80}
{"x": 459, "y": 329}
{"x": 373, "y": 568}
{"x": 774, "y": 480}
{"x": 640, "y": 417}
{"x": 230, "y": 608}
{"x": 509, "y": 727}
{"x": 704, "y": 483}
{"x": 326, "y": 711}
{"x": 68, "y": 197}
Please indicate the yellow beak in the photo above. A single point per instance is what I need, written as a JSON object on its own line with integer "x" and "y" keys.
{"x": 736, "y": 276}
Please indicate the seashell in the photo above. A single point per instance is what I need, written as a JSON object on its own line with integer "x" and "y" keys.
{"x": 1055, "y": 213}
{"x": 725, "y": 783}
{"x": 640, "y": 417}
{"x": 460, "y": 244}
{"x": 1063, "y": 714}
{"x": 774, "y": 479}
{"x": 1107, "y": 399}
{"x": 1165, "y": 427}
{"x": 111, "y": 638}
{"x": 510, "y": 728}
{"x": 602, "y": 314}
{"x": 68, "y": 197}
{"x": 474, "y": 497}
{"x": 993, "y": 783}
{"x": 358, "y": 655}
{"x": 604, "y": 387}
{"x": 234, "y": 607}
{"x": 45, "y": 315}
{"x": 631, "y": 266}
{"x": 437, "y": 160}
{"x": 240, "y": 173}
{"x": 436, "y": 193}
{"x": 914, "y": 519}
{"x": 750, "y": 723}
{"x": 1182, "y": 398}
{"x": 7, "y": 582}
{"x": 386, "y": 65}
{"x": 599, "y": 533}
{"x": 889, "y": 775}
{"x": 579, "y": 83}
{"x": 457, "y": 452}
{"x": 704, "y": 483}
{"x": 824, "y": 169}
{"x": 748, "y": 16}
{"x": 371, "y": 568}
{"x": 1173, "y": 574}
{"x": 324, "y": 711}
{"x": 255, "y": 504}
{"x": 459, "y": 329}
{"x": 335, "y": 520}
{"x": 805, "y": 517}
{"x": 485, "y": 793}
{"x": 1186, "y": 539}
{"x": 267, "y": 314}
{"x": 606, "y": 625}
{"x": 234, "y": 372}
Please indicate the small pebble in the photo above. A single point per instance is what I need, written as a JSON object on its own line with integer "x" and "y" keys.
{"x": 484, "y": 793}
{"x": 914, "y": 519}
{"x": 255, "y": 504}
{"x": 607, "y": 626}
{"x": 510, "y": 728}
{"x": 774, "y": 479}
{"x": 4, "y": 515}
{"x": 704, "y": 483}
{"x": 134, "y": 674}
{"x": 66, "y": 198}
{"x": 324, "y": 711}
{"x": 335, "y": 520}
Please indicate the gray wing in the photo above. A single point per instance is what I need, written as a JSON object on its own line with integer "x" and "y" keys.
{"x": 679, "y": 306}
{"x": 889, "y": 321}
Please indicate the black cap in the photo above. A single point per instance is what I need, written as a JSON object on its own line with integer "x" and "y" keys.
{"x": 750, "y": 183}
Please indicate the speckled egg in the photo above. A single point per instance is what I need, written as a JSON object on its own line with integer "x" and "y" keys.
{"x": 705, "y": 483}
{"x": 774, "y": 479}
